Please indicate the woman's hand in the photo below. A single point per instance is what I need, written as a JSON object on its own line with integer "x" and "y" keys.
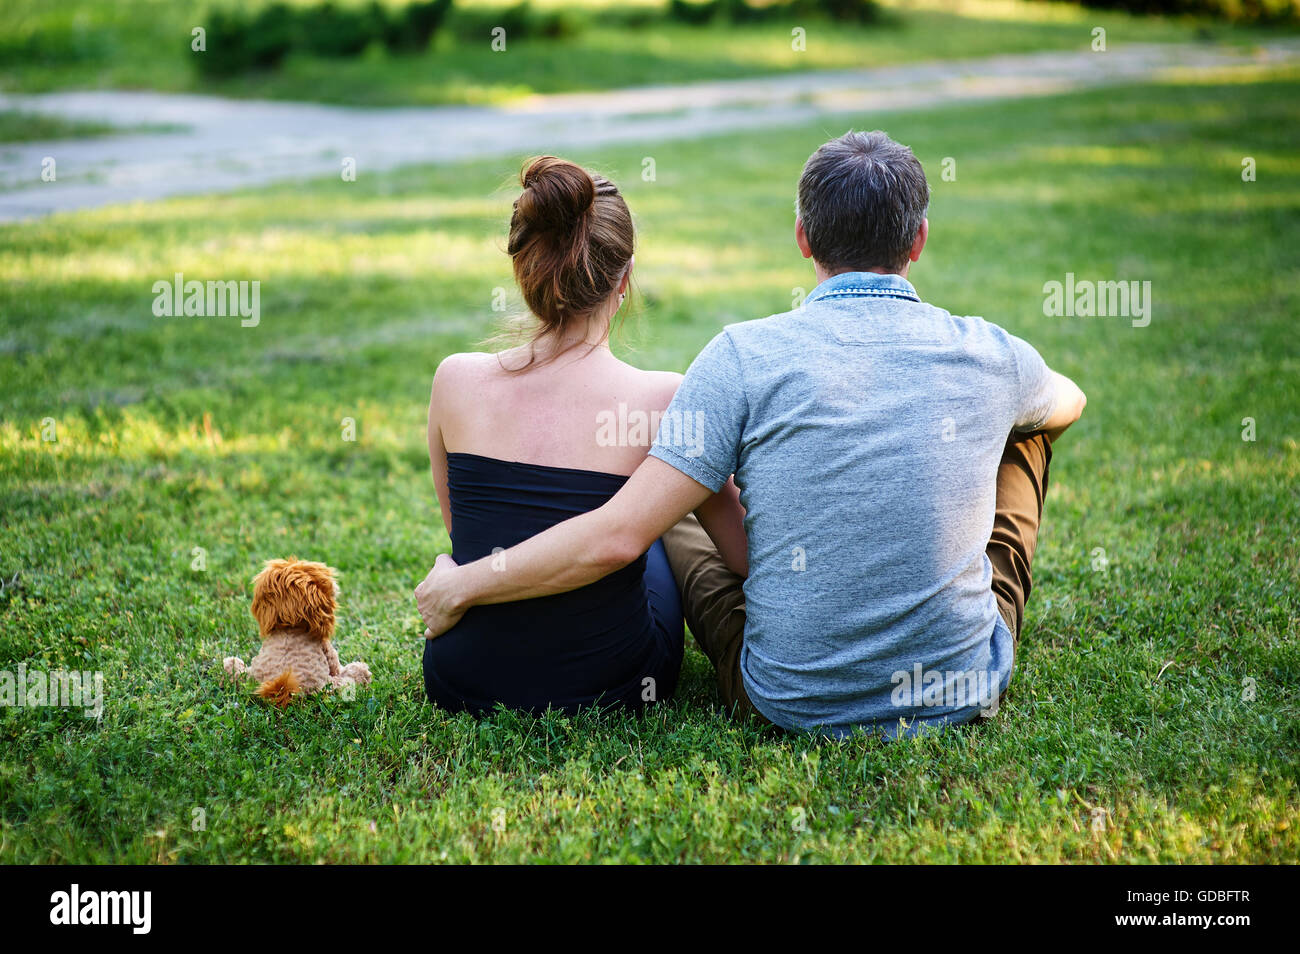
{"x": 435, "y": 597}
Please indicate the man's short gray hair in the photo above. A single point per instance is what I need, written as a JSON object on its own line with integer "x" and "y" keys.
{"x": 862, "y": 198}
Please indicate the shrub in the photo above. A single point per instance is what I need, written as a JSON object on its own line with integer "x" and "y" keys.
{"x": 477, "y": 24}
{"x": 328, "y": 30}
{"x": 420, "y": 21}
{"x": 269, "y": 38}
{"x": 517, "y": 21}
{"x": 693, "y": 13}
{"x": 520, "y": 22}
{"x": 748, "y": 11}
{"x": 226, "y": 44}
{"x": 845, "y": 11}
{"x": 742, "y": 11}
{"x": 57, "y": 44}
{"x": 392, "y": 29}
{"x": 1238, "y": 11}
{"x": 237, "y": 42}
{"x": 631, "y": 18}
{"x": 409, "y": 29}
{"x": 558, "y": 24}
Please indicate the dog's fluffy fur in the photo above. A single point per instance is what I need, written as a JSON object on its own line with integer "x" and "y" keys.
{"x": 293, "y": 603}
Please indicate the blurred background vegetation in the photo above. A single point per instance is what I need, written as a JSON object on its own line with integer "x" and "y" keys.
{"x": 395, "y": 52}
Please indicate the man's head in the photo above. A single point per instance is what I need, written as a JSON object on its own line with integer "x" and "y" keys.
{"x": 862, "y": 203}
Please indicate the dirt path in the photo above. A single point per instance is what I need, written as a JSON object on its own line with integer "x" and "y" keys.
{"x": 232, "y": 144}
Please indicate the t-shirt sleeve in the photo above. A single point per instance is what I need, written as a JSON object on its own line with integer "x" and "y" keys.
{"x": 700, "y": 432}
{"x": 1037, "y": 395}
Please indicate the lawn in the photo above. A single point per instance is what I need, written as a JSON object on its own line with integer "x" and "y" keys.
{"x": 18, "y": 126}
{"x": 146, "y": 44}
{"x": 1154, "y": 711}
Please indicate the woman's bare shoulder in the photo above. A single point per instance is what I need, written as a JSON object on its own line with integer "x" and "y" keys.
{"x": 465, "y": 367}
{"x": 660, "y": 386}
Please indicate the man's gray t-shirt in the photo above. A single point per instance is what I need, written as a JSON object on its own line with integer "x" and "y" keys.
{"x": 864, "y": 431}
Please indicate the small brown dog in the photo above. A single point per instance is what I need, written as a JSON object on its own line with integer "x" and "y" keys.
{"x": 293, "y": 603}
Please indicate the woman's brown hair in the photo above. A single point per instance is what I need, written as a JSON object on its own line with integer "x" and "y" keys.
{"x": 571, "y": 240}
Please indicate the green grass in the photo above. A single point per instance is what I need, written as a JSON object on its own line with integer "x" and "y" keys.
{"x": 16, "y": 126}
{"x": 146, "y": 44}
{"x": 183, "y": 433}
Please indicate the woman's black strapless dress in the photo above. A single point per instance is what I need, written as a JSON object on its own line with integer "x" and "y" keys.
{"x": 617, "y": 642}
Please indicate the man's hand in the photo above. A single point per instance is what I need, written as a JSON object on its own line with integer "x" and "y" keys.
{"x": 436, "y": 599}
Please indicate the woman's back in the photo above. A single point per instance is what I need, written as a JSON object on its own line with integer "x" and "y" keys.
{"x": 521, "y": 441}
{"x": 595, "y": 645}
{"x": 524, "y": 452}
{"x": 557, "y": 414}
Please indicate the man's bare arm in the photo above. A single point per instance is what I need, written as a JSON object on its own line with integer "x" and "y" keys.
{"x": 571, "y": 554}
{"x": 723, "y": 517}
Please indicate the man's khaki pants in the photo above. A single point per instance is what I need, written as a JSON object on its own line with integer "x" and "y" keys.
{"x": 714, "y": 601}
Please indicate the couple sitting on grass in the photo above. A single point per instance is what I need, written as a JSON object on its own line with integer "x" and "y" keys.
{"x": 842, "y": 501}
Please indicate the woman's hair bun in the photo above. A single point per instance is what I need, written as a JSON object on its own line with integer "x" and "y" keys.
{"x": 571, "y": 239}
{"x": 557, "y": 194}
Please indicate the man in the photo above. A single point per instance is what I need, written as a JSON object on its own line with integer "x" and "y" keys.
{"x": 891, "y": 459}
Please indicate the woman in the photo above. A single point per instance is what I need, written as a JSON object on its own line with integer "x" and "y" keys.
{"x": 515, "y": 447}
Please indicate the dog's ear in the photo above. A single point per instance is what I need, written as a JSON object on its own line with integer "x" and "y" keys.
{"x": 267, "y": 594}
{"x": 319, "y": 600}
